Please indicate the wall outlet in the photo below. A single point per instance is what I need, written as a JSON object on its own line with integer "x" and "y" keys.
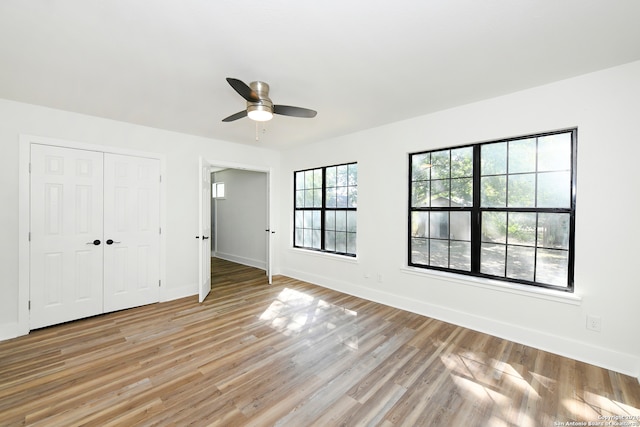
{"x": 594, "y": 323}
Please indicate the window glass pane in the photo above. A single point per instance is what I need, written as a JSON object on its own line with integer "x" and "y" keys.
{"x": 341, "y": 197}
{"x": 351, "y": 243}
{"x": 522, "y": 155}
{"x": 520, "y": 262}
{"x": 316, "y": 244}
{"x": 554, "y": 152}
{"x": 493, "y": 159}
{"x": 460, "y": 256}
{"x": 462, "y": 192}
{"x": 299, "y": 222}
{"x": 493, "y": 193}
{"x": 492, "y": 259}
{"x": 331, "y": 198}
{"x": 316, "y": 220}
{"x": 307, "y": 240}
{"x": 439, "y": 256}
{"x": 460, "y": 226}
{"x": 308, "y": 179}
{"x": 299, "y": 180}
{"x": 353, "y": 197}
{"x": 317, "y": 178}
{"x": 421, "y": 167}
{"x": 462, "y": 162}
{"x": 352, "y": 221}
{"x": 440, "y": 192}
{"x": 330, "y": 220}
{"x": 299, "y": 237}
{"x": 552, "y": 267}
{"x": 308, "y": 219}
{"x": 308, "y": 199}
{"x": 341, "y": 221}
{"x": 522, "y": 228}
{"x": 331, "y": 177}
{"x": 341, "y": 242}
{"x": 317, "y": 198}
{"x": 439, "y": 225}
{"x": 300, "y": 199}
{"x": 522, "y": 191}
{"x": 419, "y": 224}
{"x": 554, "y": 190}
{"x": 420, "y": 251}
{"x": 553, "y": 230}
{"x": 440, "y": 166}
{"x": 330, "y": 241}
{"x": 420, "y": 194}
{"x": 494, "y": 227}
{"x": 342, "y": 179}
{"x": 353, "y": 174}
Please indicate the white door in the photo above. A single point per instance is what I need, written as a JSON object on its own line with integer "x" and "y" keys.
{"x": 131, "y": 231}
{"x": 204, "y": 229}
{"x": 66, "y": 235}
{"x": 270, "y": 232}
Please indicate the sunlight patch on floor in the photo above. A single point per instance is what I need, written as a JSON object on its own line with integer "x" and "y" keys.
{"x": 293, "y": 312}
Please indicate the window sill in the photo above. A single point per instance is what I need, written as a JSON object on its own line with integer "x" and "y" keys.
{"x": 495, "y": 285}
{"x": 326, "y": 255}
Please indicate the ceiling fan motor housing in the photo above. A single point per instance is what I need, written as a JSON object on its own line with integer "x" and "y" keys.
{"x": 265, "y": 104}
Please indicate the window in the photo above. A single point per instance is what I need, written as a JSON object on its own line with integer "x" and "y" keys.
{"x": 217, "y": 190}
{"x": 502, "y": 210}
{"x": 325, "y": 209}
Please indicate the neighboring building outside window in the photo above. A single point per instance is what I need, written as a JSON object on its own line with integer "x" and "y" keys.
{"x": 502, "y": 210}
{"x": 325, "y": 209}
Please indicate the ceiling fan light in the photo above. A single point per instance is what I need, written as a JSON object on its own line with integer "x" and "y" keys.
{"x": 259, "y": 113}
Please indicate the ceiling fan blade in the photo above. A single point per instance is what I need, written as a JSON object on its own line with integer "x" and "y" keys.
{"x": 236, "y": 116}
{"x": 245, "y": 91}
{"x": 287, "y": 110}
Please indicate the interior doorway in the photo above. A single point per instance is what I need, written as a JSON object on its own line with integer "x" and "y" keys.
{"x": 239, "y": 215}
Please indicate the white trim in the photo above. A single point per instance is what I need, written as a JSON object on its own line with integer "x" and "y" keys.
{"x": 24, "y": 210}
{"x": 496, "y": 285}
{"x": 268, "y": 265}
{"x": 328, "y": 255}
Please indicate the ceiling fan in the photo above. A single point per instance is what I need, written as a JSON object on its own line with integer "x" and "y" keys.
{"x": 259, "y": 105}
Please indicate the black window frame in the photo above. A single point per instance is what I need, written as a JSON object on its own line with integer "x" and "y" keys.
{"x": 324, "y": 209}
{"x": 476, "y": 211}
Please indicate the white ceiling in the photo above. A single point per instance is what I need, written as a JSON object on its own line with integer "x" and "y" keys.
{"x": 360, "y": 64}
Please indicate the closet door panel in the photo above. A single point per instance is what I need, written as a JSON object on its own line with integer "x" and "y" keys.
{"x": 131, "y": 231}
{"x": 66, "y": 220}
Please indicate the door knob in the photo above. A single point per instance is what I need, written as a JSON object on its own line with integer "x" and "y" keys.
{"x": 205, "y": 237}
{"x": 95, "y": 242}
{"x": 111, "y": 242}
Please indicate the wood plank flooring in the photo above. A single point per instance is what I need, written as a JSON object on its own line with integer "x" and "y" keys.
{"x": 292, "y": 354}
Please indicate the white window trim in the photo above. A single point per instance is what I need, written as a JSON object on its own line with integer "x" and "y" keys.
{"x": 497, "y": 285}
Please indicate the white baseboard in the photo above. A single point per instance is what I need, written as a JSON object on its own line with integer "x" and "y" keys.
{"x": 11, "y": 330}
{"x": 262, "y": 265}
{"x": 619, "y": 362}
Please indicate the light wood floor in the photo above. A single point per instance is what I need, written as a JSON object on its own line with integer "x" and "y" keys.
{"x": 292, "y": 354}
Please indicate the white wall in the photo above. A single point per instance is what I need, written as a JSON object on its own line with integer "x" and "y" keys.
{"x": 242, "y": 217}
{"x": 605, "y": 106}
{"x": 181, "y": 178}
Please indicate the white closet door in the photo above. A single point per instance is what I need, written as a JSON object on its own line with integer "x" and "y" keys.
{"x": 131, "y": 231}
{"x": 66, "y": 221}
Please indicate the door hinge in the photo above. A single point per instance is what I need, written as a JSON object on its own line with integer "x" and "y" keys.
{"x": 29, "y": 167}
{"x": 160, "y": 230}
{"x": 159, "y": 283}
{"x": 29, "y": 304}
{"x": 29, "y": 236}
{"x": 160, "y": 178}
